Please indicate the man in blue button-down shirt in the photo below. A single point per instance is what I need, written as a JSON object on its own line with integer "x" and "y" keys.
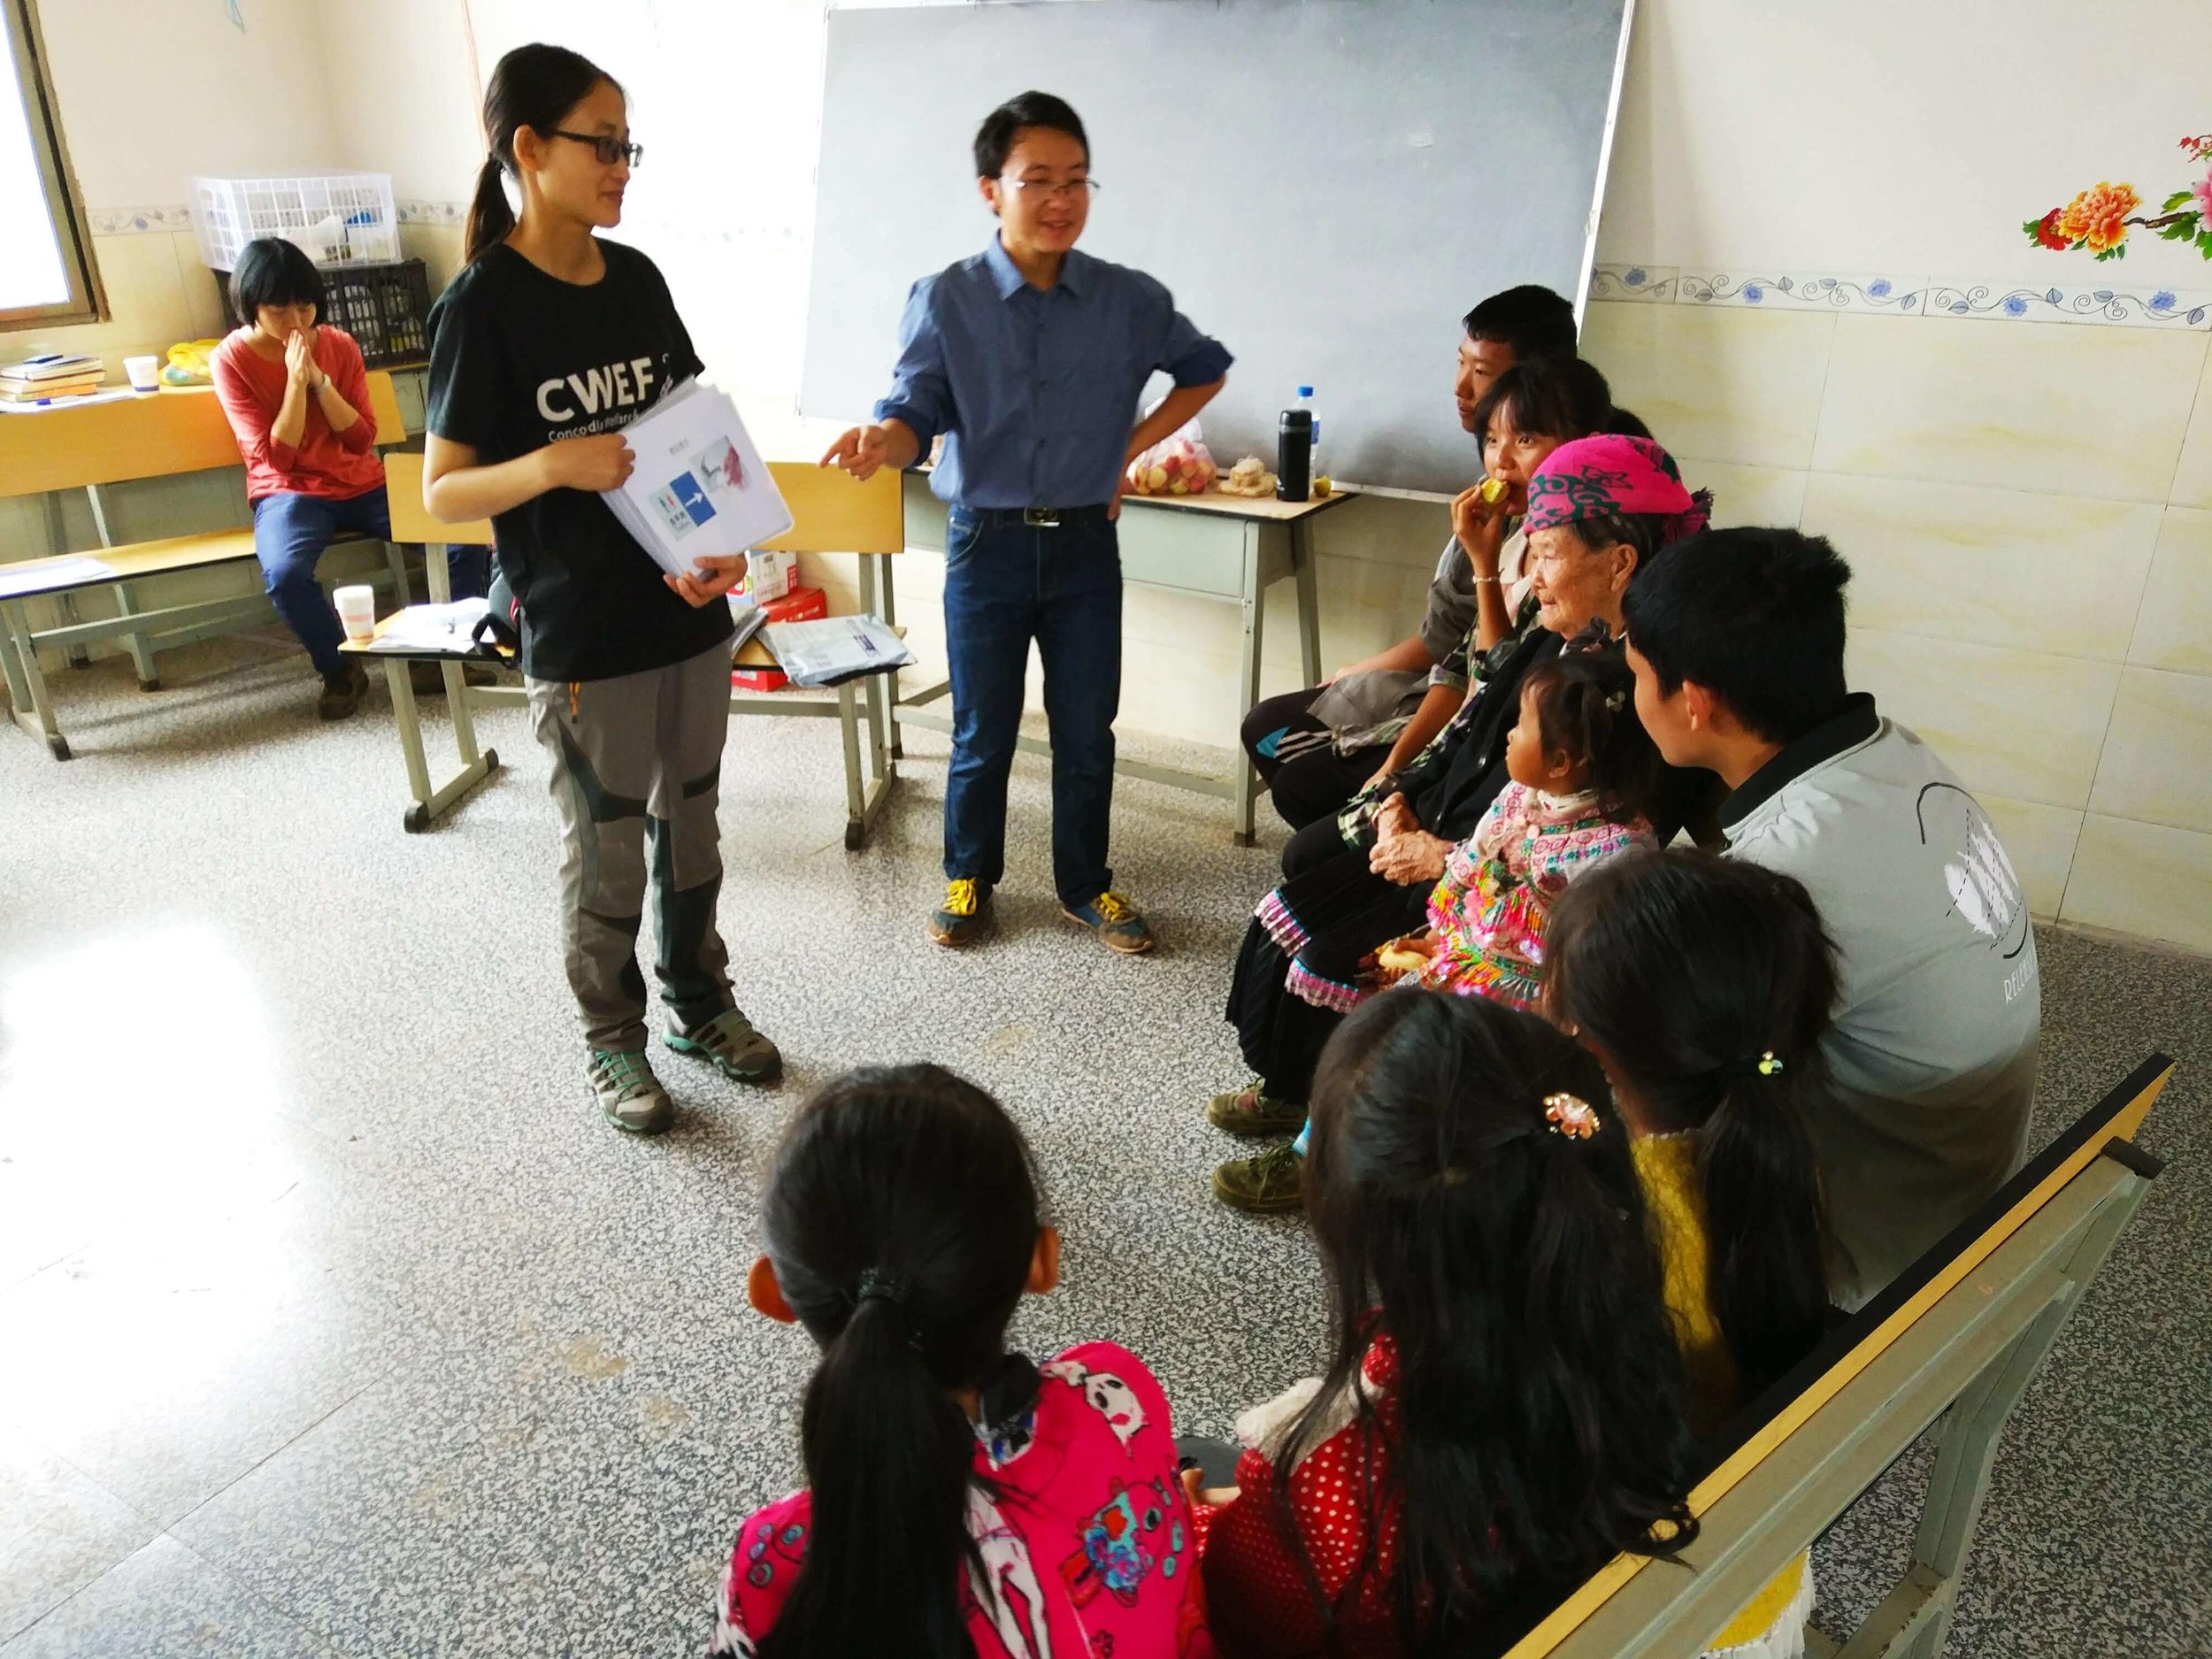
{"x": 1029, "y": 359}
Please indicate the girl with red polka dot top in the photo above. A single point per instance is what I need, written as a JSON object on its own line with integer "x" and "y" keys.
{"x": 1503, "y": 1410}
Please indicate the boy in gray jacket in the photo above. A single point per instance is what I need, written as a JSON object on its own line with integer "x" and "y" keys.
{"x": 1737, "y": 640}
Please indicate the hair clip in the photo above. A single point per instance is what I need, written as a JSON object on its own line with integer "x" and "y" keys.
{"x": 1571, "y": 1115}
{"x": 1615, "y": 700}
{"x": 875, "y": 1285}
{"x": 1768, "y": 1064}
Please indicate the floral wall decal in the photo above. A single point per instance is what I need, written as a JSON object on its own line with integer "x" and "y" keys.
{"x": 2098, "y": 219}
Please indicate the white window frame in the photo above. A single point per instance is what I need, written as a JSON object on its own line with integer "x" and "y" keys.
{"x": 87, "y": 301}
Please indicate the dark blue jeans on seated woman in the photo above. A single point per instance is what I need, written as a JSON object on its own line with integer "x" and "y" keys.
{"x": 290, "y": 532}
{"x": 1006, "y": 584}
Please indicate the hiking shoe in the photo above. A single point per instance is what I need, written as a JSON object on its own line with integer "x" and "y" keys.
{"x": 963, "y": 916}
{"x": 1114, "y": 920}
{"x": 342, "y": 692}
{"x": 629, "y": 1093}
{"x": 1250, "y": 1112}
{"x": 731, "y": 1045}
{"x": 1264, "y": 1186}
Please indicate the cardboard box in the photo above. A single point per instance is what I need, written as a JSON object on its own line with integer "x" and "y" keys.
{"x": 770, "y": 575}
{"x": 799, "y": 604}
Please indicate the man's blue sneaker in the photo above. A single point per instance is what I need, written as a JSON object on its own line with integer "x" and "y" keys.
{"x": 1114, "y": 920}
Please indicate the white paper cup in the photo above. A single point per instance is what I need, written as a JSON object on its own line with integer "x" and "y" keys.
{"x": 145, "y": 374}
{"x": 356, "y": 610}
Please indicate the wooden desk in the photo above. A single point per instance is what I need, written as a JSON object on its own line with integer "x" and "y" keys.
{"x": 1227, "y": 547}
{"x": 88, "y": 447}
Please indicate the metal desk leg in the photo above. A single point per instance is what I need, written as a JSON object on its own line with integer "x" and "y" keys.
{"x": 142, "y": 658}
{"x": 890, "y": 615}
{"x": 1248, "y": 677}
{"x": 430, "y": 804}
{"x": 396, "y": 562}
{"x": 34, "y": 709}
{"x": 855, "y": 795}
{"x": 1308, "y": 600}
{"x": 141, "y": 655}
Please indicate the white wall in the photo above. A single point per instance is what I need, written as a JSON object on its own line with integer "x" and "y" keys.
{"x": 155, "y": 91}
{"x": 1899, "y": 135}
{"x": 401, "y": 80}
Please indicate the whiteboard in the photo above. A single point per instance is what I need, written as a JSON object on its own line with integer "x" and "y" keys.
{"x": 1327, "y": 186}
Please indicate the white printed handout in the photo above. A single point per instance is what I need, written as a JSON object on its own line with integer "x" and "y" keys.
{"x": 700, "y": 487}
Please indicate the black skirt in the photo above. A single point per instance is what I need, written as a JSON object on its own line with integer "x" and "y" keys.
{"x": 1298, "y": 971}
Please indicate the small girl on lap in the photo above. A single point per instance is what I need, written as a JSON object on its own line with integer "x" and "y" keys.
{"x": 1582, "y": 769}
{"x": 960, "y": 1500}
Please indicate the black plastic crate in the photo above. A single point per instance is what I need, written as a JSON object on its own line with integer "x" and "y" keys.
{"x": 386, "y": 308}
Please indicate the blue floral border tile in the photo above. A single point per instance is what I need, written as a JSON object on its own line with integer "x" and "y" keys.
{"x": 1651, "y": 284}
{"x": 1889, "y": 295}
{"x": 2149, "y": 307}
{"x": 432, "y": 212}
{"x": 131, "y": 221}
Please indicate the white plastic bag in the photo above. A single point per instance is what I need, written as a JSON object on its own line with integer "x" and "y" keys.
{"x": 1178, "y": 465}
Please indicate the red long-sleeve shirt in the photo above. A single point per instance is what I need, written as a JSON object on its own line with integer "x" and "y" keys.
{"x": 336, "y": 466}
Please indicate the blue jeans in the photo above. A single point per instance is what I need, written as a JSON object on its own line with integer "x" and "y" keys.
{"x": 290, "y": 534}
{"x": 468, "y": 569}
{"x": 1004, "y": 586}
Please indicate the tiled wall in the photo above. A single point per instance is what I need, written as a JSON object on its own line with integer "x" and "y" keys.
{"x": 2028, "y": 512}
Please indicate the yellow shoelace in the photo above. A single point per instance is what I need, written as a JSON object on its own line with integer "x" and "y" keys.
{"x": 1112, "y": 906}
{"x": 960, "y": 897}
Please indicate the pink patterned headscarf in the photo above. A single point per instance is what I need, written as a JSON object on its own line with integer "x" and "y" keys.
{"x": 1591, "y": 477}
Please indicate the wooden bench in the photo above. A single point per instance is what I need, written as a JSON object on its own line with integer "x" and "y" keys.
{"x": 830, "y": 514}
{"x": 156, "y": 434}
{"x": 1958, "y": 1338}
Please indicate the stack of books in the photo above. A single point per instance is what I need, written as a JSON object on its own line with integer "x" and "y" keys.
{"x": 59, "y": 374}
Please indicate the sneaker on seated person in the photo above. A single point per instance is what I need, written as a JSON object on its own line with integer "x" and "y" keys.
{"x": 342, "y": 691}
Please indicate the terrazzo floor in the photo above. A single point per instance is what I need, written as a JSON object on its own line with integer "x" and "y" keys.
{"x": 333, "y": 1320}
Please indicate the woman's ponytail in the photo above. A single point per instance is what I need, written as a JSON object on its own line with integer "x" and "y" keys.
{"x": 1708, "y": 985}
{"x": 887, "y": 1454}
{"x": 1762, "y": 1211}
{"x": 490, "y": 214}
{"x": 901, "y": 1219}
{"x": 534, "y": 87}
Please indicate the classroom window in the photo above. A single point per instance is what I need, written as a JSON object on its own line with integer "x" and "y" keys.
{"x": 46, "y": 270}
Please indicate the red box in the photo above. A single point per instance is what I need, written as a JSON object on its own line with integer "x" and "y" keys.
{"x": 800, "y": 604}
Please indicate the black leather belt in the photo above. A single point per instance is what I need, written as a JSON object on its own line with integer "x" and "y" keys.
{"x": 1035, "y": 517}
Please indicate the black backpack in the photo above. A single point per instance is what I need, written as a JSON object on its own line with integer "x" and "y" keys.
{"x": 501, "y": 627}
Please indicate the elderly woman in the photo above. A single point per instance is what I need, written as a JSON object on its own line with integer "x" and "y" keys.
{"x": 1597, "y": 507}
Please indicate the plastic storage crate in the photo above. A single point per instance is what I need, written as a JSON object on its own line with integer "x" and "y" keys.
{"x": 337, "y": 219}
{"x": 386, "y": 308}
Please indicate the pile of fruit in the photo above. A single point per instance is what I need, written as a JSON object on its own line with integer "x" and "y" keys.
{"x": 1181, "y": 467}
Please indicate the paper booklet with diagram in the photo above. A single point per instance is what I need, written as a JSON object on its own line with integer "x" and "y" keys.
{"x": 700, "y": 486}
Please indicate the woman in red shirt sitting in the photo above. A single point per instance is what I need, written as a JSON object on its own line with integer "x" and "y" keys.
{"x": 297, "y": 396}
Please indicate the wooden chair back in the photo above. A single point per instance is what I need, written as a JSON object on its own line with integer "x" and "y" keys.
{"x": 833, "y": 513}
{"x": 411, "y": 523}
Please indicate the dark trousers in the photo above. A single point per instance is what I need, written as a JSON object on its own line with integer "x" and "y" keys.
{"x": 290, "y": 532}
{"x": 1006, "y": 585}
{"x": 1314, "y": 781}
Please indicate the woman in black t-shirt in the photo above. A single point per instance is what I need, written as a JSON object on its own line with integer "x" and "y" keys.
{"x": 541, "y": 351}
